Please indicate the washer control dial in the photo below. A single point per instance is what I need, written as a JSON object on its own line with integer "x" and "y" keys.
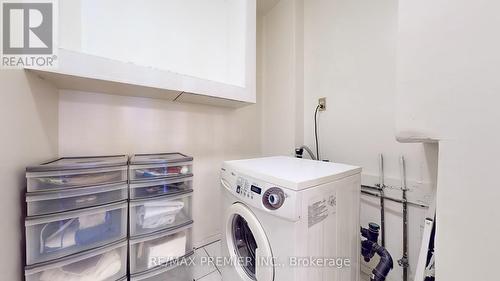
{"x": 273, "y": 198}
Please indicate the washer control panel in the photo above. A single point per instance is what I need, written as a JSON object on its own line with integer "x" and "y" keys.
{"x": 245, "y": 189}
{"x": 271, "y": 197}
{"x": 268, "y": 197}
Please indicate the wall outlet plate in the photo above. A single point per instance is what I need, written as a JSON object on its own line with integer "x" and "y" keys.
{"x": 322, "y": 104}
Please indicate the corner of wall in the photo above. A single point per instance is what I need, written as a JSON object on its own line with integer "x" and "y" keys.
{"x": 29, "y": 122}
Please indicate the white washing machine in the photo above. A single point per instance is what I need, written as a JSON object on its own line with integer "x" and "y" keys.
{"x": 289, "y": 219}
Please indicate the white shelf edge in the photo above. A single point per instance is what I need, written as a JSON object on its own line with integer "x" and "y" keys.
{"x": 84, "y": 72}
{"x": 413, "y": 137}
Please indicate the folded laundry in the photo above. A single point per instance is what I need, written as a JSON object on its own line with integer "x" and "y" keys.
{"x": 110, "y": 228}
{"x": 81, "y": 231}
{"x": 158, "y": 214}
{"x": 98, "y": 268}
{"x": 162, "y": 171}
{"x": 166, "y": 250}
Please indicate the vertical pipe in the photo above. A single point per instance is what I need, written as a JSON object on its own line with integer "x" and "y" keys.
{"x": 404, "y": 260}
{"x": 382, "y": 207}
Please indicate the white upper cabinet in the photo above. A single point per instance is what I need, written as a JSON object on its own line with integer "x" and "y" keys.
{"x": 202, "y": 48}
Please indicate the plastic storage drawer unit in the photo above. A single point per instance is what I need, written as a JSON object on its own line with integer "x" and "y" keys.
{"x": 178, "y": 271}
{"x": 154, "y": 214}
{"x": 152, "y": 188}
{"x": 49, "y": 202}
{"x": 103, "y": 264}
{"x": 75, "y": 172}
{"x": 51, "y": 237}
{"x": 156, "y": 250}
{"x": 153, "y": 166}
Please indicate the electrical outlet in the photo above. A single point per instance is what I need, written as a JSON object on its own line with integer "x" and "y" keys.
{"x": 322, "y": 104}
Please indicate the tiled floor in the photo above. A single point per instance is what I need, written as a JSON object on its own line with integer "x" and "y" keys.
{"x": 207, "y": 272}
{"x": 212, "y": 273}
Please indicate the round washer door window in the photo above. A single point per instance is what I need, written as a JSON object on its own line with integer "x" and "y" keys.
{"x": 248, "y": 245}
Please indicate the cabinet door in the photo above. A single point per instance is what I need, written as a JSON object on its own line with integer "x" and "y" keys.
{"x": 212, "y": 40}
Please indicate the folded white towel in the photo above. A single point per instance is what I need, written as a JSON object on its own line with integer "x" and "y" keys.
{"x": 157, "y": 214}
{"x": 172, "y": 248}
{"x": 99, "y": 268}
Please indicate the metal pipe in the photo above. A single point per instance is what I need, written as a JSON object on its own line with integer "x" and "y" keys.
{"x": 371, "y": 187}
{"x": 381, "y": 185}
{"x": 420, "y": 205}
{"x": 404, "y": 262}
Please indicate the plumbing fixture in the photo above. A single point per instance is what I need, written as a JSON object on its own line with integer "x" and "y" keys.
{"x": 369, "y": 248}
{"x": 404, "y": 262}
{"x": 381, "y": 186}
{"x": 300, "y": 151}
{"x": 416, "y": 204}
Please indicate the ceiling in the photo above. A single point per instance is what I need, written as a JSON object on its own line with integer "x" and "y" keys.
{"x": 264, "y": 6}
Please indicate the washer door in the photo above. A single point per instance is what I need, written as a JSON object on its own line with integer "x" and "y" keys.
{"x": 248, "y": 245}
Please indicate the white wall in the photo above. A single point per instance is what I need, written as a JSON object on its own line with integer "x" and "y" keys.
{"x": 28, "y": 117}
{"x": 281, "y": 78}
{"x": 206, "y": 39}
{"x": 350, "y": 58}
{"x": 98, "y": 124}
{"x": 347, "y": 54}
{"x": 448, "y": 86}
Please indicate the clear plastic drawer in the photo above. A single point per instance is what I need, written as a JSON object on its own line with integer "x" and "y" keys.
{"x": 159, "y": 213}
{"x": 159, "y": 249}
{"x": 74, "y": 172}
{"x": 108, "y": 263}
{"x": 51, "y": 237}
{"x": 177, "y": 271}
{"x": 154, "y": 166}
{"x": 49, "y": 202}
{"x": 152, "y": 188}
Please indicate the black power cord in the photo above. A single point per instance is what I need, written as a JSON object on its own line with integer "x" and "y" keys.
{"x": 316, "y": 130}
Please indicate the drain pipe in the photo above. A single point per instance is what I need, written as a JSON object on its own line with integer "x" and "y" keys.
{"x": 369, "y": 248}
{"x": 404, "y": 262}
